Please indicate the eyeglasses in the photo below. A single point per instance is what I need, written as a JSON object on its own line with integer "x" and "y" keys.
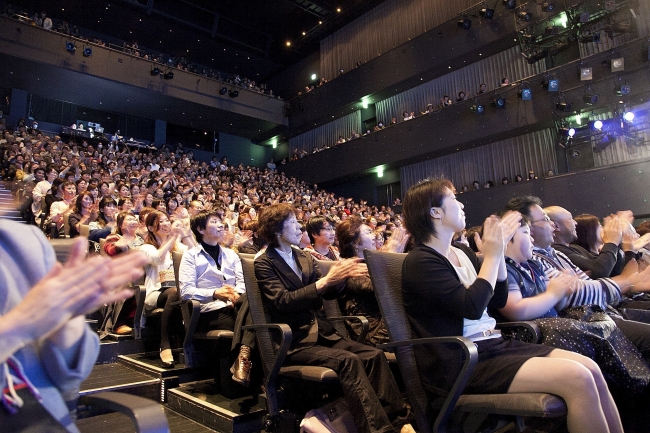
{"x": 546, "y": 218}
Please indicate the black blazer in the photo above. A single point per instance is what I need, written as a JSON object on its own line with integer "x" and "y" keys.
{"x": 292, "y": 300}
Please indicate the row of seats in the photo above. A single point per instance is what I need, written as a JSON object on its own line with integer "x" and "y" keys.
{"x": 385, "y": 271}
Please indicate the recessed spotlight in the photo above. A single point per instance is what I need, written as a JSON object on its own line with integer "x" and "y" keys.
{"x": 338, "y": 9}
{"x": 304, "y": 33}
{"x": 288, "y": 43}
{"x": 320, "y": 22}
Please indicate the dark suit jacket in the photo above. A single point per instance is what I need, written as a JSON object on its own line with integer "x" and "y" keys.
{"x": 292, "y": 300}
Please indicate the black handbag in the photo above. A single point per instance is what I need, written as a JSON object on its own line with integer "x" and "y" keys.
{"x": 588, "y": 330}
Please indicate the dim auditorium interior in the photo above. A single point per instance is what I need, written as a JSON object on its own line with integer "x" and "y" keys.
{"x": 337, "y": 107}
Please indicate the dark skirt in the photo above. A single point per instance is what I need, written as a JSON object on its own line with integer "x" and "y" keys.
{"x": 498, "y": 362}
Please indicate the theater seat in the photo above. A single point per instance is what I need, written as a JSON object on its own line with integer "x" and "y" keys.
{"x": 386, "y": 274}
{"x": 273, "y": 350}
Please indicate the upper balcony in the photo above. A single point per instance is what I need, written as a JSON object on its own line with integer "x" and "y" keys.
{"x": 37, "y": 60}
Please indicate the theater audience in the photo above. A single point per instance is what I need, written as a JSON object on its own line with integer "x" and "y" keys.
{"x": 291, "y": 288}
{"x": 444, "y": 294}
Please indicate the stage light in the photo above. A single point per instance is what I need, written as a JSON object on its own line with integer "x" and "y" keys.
{"x": 486, "y": 13}
{"x": 525, "y": 94}
{"x": 603, "y": 141}
{"x": 548, "y": 7}
{"x": 564, "y": 106}
{"x": 598, "y": 125}
{"x": 586, "y": 74}
{"x": 618, "y": 64}
{"x": 169, "y": 76}
{"x": 622, "y": 89}
{"x": 498, "y": 102}
{"x": 87, "y": 52}
{"x": 594, "y": 37}
{"x": 313, "y": 77}
{"x": 155, "y": 72}
{"x": 233, "y": 93}
{"x": 69, "y": 46}
{"x": 567, "y": 132}
{"x": 223, "y": 90}
{"x": 525, "y": 16}
{"x": 584, "y": 17}
{"x": 628, "y": 116}
{"x": 478, "y": 108}
{"x": 465, "y": 24}
{"x": 553, "y": 85}
{"x": 510, "y": 4}
{"x": 590, "y": 99}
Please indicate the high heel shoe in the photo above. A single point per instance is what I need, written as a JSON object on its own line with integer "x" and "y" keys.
{"x": 167, "y": 358}
{"x": 241, "y": 369}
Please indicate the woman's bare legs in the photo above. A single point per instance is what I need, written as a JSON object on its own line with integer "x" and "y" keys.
{"x": 579, "y": 381}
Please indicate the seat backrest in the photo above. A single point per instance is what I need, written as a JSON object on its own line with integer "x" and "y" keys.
{"x": 258, "y": 313}
{"x": 386, "y": 274}
{"x": 66, "y": 224}
{"x": 62, "y": 248}
{"x": 331, "y": 306}
{"x": 84, "y": 230}
{"x": 102, "y": 242}
{"x": 176, "y": 259}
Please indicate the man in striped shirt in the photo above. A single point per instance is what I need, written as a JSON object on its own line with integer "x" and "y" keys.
{"x": 604, "y": 292}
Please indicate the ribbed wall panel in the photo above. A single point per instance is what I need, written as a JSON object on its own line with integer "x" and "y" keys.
{"x": 518, "y": 155}
{"x": 509, "y": 63}
{"x": 643, "y": 18}
{"x": 327, "y": 134}
{"x": 387, "y": 26}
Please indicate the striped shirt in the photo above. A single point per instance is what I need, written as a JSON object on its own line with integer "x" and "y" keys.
{"x": 602, "y": 292}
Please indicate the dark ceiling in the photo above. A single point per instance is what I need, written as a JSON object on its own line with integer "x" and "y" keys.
{"x": 248, "y": 37}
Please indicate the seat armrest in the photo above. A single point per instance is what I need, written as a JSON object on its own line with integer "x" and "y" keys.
{"x": 191, "y": 310}
{"x": 285, "y": 342}
{"x": 525, "y": 331}
{"x": 365, "y": 326}
{"x": 147, "y": 415}
{"x": 470, "y": 358}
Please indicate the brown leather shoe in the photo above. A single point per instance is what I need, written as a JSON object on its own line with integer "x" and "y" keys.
{"x": 241, "y": 369}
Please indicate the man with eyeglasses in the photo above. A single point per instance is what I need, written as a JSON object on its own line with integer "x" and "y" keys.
{"x": 604, "y": 292}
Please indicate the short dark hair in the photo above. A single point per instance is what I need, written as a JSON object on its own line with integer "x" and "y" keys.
{"x": 200, "y": 221}
{"x": 317, "y": 223}
{"x": 347, "y": 235}
{"x": 119, "y": 220}
{"x": 419, "y": 200}
{"x": 272, "y": 220}
{"x": 522, "y": 204}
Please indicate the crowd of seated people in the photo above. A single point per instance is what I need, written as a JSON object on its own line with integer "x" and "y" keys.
{"x": 445, "y": 101}
{"x": 132, "y": 48}
{"x": 208, "y": 211}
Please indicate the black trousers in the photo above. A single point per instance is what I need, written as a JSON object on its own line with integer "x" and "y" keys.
{"x": 367, "y": 382}
{"x": 223, "y": 318}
